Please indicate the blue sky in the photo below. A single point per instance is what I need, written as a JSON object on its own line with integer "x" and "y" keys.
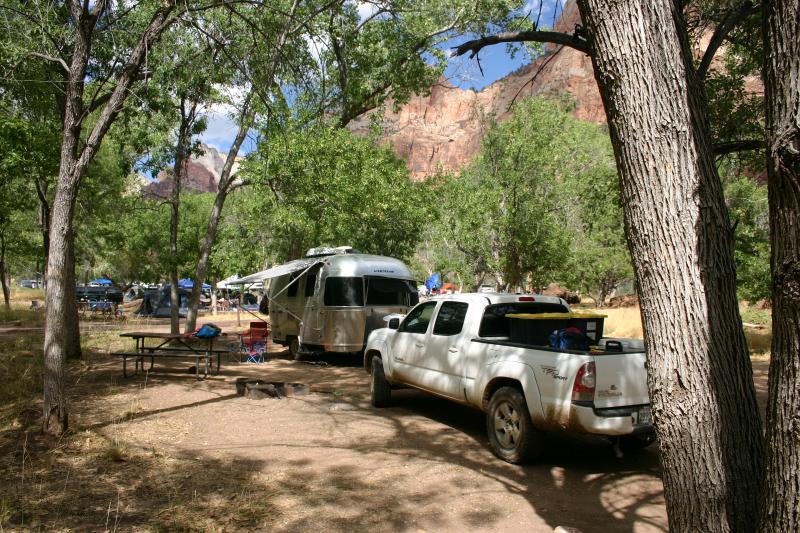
{"x": 461, "y": 72}
{"x": 495, "y": 62}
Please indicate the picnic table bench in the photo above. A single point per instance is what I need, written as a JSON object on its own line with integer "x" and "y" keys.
{"x": 171, "y": 345}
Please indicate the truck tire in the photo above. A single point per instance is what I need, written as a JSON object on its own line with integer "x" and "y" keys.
{"x": 379, "y": 389}
{"x": 512, "y": 436}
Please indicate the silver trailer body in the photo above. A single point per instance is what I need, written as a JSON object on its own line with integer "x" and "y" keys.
{"x": 332, "y": 303}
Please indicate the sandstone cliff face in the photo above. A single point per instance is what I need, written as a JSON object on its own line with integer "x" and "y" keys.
{"x": 442, "y": 131}
{"x": 202, "y": 175}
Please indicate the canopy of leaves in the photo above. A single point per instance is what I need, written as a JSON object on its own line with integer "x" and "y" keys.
{"x": 539, "y": 204}
{"x": 322, "y": 186}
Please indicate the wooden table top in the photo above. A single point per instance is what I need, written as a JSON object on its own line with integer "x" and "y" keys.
{"x": 164, "y": 335}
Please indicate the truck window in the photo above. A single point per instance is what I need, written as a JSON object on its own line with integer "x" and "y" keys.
{"x": 418, "y": 319}
{"x": 450, "y": 319}
{"x": 388, "y": 291}
{"x": 344, "y": 292}
{"x": 495, "y": 324}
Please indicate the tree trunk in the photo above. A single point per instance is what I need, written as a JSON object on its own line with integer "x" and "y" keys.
{"x": 205, "y": 256}
{"x": 781, "y": 508}
{"x": 174, "y": 206}
{"x": 62, "y": 336}
{"x": 4, "y": 273}
{"x": 248, "y": 115}
{"x": 44, "y": 219}
{"x": 699, "y": 374}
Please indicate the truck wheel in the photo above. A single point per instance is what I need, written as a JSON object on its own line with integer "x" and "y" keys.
{"x": 379, "y": 389}
{"x": 632, "y": 443}
{"x": 294, "y": 348}
{"x": 512, "y": 436}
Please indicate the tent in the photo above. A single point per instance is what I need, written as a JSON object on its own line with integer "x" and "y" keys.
{"x": 101, "y": 281}
{"x": 227, "y": 282}
{"x": 434, "y": 282}
{"x": 188, "y": 284}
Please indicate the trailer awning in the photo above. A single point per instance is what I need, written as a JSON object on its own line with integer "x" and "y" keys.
{"x": 279, "y": 270}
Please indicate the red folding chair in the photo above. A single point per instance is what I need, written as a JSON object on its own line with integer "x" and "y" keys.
{"x": 254, "y": 340}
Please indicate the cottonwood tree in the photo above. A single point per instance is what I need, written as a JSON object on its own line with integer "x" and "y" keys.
{"x": 322, "y": 185}
{"x": 260, "y": 62}
{"x": 324, "y": 60}
{"x": 681, "y": 243}
{"x": 114, "y": 71}
{"x": 781, "y": 508}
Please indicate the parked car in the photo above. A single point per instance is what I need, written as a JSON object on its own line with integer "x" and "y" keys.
{"x": 527, "y": 361}
{"x": 29, "y": 284}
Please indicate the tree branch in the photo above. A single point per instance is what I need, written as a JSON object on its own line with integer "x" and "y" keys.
{"x": 731, "y": 147}
{"x": 52, "y": 59}
{"x": 730, "y": 21}
{"x": 476, "y": 45}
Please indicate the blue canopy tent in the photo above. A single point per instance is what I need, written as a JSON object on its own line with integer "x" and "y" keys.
{"x": 434, "y": 282}
{"x": 101, "y": 281}
{"x": 188, "y": 284}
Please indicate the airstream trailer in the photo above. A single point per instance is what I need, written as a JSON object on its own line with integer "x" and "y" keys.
{"x": 333, "y": 298}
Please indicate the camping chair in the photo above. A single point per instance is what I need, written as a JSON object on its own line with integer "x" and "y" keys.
{"x": 253, "y": 342}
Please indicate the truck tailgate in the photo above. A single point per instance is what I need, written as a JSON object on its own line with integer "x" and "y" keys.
{"x": 621, "y": 379}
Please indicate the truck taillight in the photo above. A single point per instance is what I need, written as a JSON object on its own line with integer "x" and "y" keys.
{"x": 583, "y": 389}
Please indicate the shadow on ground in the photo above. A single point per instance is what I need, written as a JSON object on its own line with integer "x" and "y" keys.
{"x": 384, "y": 477}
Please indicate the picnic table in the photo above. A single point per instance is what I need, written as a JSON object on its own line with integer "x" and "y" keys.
{"x": 154, "y": 345}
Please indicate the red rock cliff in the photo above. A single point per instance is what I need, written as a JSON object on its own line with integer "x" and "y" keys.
{"x": 443, "y": 130}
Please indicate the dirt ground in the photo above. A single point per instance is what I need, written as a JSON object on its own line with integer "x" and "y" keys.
{"x": 164, "y": 452}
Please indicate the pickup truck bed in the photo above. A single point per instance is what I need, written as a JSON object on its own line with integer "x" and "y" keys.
{"x": 464, "y": 348}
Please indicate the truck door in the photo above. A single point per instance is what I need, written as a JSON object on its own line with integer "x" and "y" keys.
{"x": 442, "y": 361}
{"x": 409, "y": 342}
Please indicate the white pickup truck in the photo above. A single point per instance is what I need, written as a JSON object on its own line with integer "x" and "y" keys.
{"x": 492, "y": 352}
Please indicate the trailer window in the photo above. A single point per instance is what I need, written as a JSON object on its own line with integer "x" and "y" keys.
{"x": 344, "y": 292}
{"x": 388, "y": 291}
{"x": 294, "y": 283}
{"x": 495, "y": 324}
{"x": 311, "y": 282}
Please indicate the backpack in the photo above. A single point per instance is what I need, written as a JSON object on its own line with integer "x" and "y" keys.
{"x": 570, "y": 338}
{"x": 208, "y": 331}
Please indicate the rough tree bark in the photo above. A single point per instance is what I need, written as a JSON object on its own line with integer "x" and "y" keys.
{"x": 699, "y": 373}
{"x": 781, "y": 508}
{"x": 61, "y": 330}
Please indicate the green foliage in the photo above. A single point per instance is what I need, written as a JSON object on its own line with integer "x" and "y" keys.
{"x": 749, "y": 213}
{"x": 322, "y": 186}
{"x": 539, "y": 204}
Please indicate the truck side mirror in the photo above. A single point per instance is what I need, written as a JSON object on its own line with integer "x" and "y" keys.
{"x": 394, "y": 323}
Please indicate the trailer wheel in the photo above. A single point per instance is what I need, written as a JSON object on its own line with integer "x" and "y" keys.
{"x": 379, "y": 389}
{"x": 294, "y": 348}
{"x": 512, "y": 436}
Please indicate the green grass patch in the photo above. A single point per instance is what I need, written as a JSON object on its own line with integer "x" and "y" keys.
{"x": 21, "y": 317}
{"x": 20, "y": 376}
{"x": 753, "y": 315}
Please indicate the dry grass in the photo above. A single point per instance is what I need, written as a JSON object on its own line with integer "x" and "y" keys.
{"x": 20, "y": 376}
{"x": 21, "y": 317}
{"x": 626, "y": 322}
